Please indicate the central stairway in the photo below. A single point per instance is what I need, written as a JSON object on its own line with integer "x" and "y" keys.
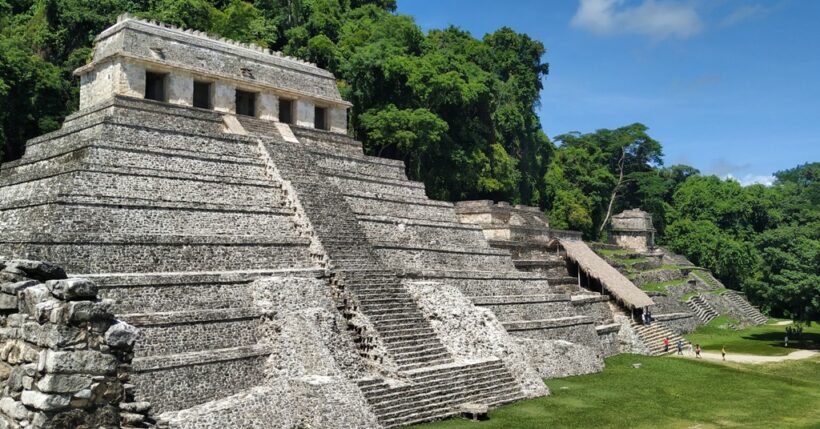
{"x": 429, "y": 384}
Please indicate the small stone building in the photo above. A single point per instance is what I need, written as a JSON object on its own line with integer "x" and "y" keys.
{"x": 632, "y": 229}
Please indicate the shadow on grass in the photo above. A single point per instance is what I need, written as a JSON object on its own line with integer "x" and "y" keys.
{"x": 807, "y": 341}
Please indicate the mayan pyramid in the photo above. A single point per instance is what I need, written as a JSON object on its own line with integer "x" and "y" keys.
{"x": 280, "y": 277}
{"x": 209, "y": 189}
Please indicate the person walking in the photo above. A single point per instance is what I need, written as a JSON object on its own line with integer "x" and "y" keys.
{"x": 697, "y": 351}
{"x": 691, "y": 349}
{"x": 666, "y": 344}
{"x": 680, "y": 347}
{"x": 723, "y": 352}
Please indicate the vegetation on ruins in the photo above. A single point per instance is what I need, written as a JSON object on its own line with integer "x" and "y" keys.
{"x": 460, "y": 111}
{"x": 668, "y": 392}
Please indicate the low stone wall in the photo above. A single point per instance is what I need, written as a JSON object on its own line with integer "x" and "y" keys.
{"x": 657, "y": 276}
{"x": 64, "y": 358}
{"x": 679, "y": 323}
{"x": 594, "y": 306}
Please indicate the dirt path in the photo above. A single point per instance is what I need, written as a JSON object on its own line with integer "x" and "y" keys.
{"x": 739, "y": 358}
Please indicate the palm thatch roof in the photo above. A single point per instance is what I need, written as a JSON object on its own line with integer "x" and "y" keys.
{"x": 611, "y": 279}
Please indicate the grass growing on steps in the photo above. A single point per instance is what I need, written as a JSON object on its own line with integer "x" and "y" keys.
{"x": 612, "y": 252}
{"x": 661, "y": 286}
{"x": 766, "y": 340}
{"x": 706, "y": 278}
{"x": 668, "y": 392}
{"x": 685, "y": 297}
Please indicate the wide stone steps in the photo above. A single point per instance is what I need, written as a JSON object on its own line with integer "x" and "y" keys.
{"x": 702, "y": 309}
{"x": 434, "y": 394}
{"x": 748, "y": 310}
{"x": 352, "y": 262}
{"x": 652, "y": 337}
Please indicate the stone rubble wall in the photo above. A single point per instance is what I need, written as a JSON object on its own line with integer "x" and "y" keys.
{"x": 471, "y": 332}
{"x": 64, "y": 358}
{"x": 307, "y": 379}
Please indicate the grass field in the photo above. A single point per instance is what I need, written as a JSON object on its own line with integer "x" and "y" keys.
{"x": 764, "y": 340}
{"x": 669, "y": 392}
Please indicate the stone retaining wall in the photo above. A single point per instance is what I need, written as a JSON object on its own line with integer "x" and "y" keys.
{"x": 65, "y": 360}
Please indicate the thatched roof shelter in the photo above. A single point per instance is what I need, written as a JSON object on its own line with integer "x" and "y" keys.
{"x": 611, "y": 279}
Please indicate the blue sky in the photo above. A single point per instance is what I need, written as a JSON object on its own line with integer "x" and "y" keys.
{"x": 730, "y": 87}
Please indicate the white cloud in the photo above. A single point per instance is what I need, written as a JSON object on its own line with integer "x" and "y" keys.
{"x": 753, "y": 179}
{"x": 743, "y": 13}
{"x": 654, "y": 18}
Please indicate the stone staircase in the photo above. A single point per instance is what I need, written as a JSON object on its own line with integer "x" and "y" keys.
{"x": 436, "y": 392}
{"x": 702, "y": 309}
{"x": 652, "y": 337}
{"x": 749, "y": 311}
{"x": 432, "y": 384}
{"x": 363, "y": 284}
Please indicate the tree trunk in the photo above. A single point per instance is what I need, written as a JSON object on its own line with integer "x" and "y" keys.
{"x": 614, "y": 190}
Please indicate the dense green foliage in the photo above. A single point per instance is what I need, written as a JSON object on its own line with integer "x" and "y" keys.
{"x": 668, "y": 392}
{"x": 460, "y": 111}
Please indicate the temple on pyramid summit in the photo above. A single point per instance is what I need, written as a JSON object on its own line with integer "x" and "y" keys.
{"x": 202, "y": 245}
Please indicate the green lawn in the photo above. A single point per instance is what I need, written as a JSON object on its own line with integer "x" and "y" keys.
{"x": 758, "y": 340}
{"x": 669, "y": 392}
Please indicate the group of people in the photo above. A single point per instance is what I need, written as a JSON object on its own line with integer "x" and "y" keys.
{"x": 692, "y": 349}
{"x": 647, "y": 317}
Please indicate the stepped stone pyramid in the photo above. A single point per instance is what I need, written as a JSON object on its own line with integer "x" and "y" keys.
{"x": 587, "y": 326}
{"x": 686, "y": 296}
{"x": 278, "y": 276}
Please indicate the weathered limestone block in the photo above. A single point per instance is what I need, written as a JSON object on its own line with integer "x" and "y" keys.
{"x": 45, "y": 401}
{"x": 37, "y": 270}
{"x": 13, "y": 288}
{"x": 64, "y": 383}
{"x": 8, "y": 302}
{"x": 471, "y": 332}
{"x": 268, "y": 106}
{"x": 74, "y": 288}
{"x": 13, "y": 409}
{"x": 78, "y": 362}
{"x": 121, "y": 335}
{"x": 305, "y": 111}
{"x": 224, "y": 97}
{"x": 181, "y": 89}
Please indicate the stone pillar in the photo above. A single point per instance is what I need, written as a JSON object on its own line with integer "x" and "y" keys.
{"x": 224, "y": 97}
{"x": 338, "y": 120}
{"x": 180, "y": 89}
{"x": 130, "y": 80}
{"x": 304, "y": 113}
{"x": 268, "y": 106}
